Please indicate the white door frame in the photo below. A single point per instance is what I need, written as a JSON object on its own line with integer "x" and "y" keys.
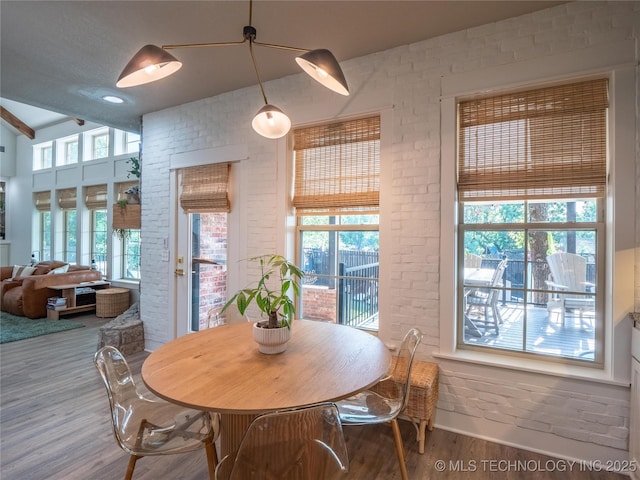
{"x": 180, "y": 236}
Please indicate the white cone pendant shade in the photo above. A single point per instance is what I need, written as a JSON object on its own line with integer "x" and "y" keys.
{"x": 323, "y": 67}
{"x": 151, "y": 63}
{"x": 271, "y": 122}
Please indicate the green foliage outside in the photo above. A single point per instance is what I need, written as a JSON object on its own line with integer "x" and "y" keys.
{"x": 349, "y": 239}
{"x": 489, "y": 242}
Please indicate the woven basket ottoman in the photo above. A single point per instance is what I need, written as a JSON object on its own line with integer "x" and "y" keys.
{"x": 111, "y": 302}
{"x": 423, "y": 397}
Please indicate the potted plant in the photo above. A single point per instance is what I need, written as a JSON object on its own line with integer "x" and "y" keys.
{"x": 274, "y": 295}
{"x": 133, "y": 195}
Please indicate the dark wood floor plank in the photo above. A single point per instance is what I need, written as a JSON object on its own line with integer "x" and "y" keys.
{"x": 54, "y": 425}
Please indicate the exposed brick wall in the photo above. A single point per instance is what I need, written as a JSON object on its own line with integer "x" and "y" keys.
{"x": 592, "y": 418}
{"x": 408, "y": 80}
{"x": 319, "y": 303}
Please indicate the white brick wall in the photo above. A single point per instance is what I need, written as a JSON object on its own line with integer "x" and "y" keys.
{"x": 407, "y": 79}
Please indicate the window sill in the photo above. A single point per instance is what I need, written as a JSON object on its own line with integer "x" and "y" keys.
{"x": 525, "y": 365}
{"x": 124, "y": 282}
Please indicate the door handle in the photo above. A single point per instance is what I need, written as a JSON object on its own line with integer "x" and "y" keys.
{"x": 179, "y": 271}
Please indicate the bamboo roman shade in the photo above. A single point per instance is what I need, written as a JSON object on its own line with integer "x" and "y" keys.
{"x": 204, "y": 189}
{"x": 538, "y": 144}
{"x": 67, "y": 198}
{"x": 337, "y": 166}
{"x": 95, "y": 197}
{"x": 43, "y": 201}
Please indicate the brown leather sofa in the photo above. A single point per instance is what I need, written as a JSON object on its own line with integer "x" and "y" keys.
{"x": 27, "y": 297}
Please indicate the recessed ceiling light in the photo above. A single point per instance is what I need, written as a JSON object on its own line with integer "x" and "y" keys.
{"x": 112, "y": 99}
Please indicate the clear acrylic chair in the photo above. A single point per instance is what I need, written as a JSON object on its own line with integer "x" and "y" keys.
{"x": 296, "y": 444}
{"x": 144, "y": 426}
{"x": 389, "y": 398}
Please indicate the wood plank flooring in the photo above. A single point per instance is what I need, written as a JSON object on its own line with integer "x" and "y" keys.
{"x": 54, "y": 425}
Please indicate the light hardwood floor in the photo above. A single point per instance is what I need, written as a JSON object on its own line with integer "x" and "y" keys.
{"x": 54, "y": 425}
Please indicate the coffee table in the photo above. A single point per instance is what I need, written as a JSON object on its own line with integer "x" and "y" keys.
{"x": 69, "y": 292}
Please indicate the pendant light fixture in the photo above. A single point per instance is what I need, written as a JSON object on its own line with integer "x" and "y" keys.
{"x": 153, "y": 63}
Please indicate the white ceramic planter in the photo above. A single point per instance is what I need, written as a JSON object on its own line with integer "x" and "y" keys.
{"x": 271, "y": 340}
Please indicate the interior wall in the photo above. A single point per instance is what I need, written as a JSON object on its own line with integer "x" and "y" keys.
{"x": 8, "y": 156}
{"x": 568, "y": 417}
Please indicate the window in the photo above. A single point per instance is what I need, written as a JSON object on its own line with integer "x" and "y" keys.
{"x": 126, "y": 225}
{"x": 131, "y": 255}
{"x": 67, "y": 150}
{"x": 96, "y": 144}
{"x": 42, "y": 202}
{"x": 126, "y": 142}
{"x": 336, "y": 195}
{"x": 67, "y": 203}
{"x": 42, "y": 156}
{"x": 45, "y": 235}
{"x": 96, "y": 202}
{"x": 531, "y": 187}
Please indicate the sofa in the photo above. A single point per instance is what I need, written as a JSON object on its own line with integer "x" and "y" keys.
{"x": 27, "y": 296}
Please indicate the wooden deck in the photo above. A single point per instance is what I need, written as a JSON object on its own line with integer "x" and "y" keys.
{"x": 540, "y": 332}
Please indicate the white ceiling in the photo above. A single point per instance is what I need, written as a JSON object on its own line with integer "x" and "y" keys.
{"x": 63, "y": 56}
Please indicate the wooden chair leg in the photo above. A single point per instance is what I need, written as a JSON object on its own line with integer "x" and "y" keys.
{"x": 132, "y": 464}
{"x": 422, "y": 434}
{"x": 212, "y": 458}
{"x": 399, "y": 448}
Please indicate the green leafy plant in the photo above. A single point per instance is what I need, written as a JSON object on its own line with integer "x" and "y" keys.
{"x": 135, "y": 167}
{"x": 274, "y": 301}
{"x": 123, "y": 203}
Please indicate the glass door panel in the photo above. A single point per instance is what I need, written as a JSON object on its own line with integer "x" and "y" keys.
{"x": 208, "y": 263}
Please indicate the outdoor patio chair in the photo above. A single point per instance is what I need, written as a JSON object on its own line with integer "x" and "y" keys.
{"x": 472, "y": 261}
{"x": 486, "y": 300}
{"x": 569, "y": 285}
{"x": 150, "y": 426}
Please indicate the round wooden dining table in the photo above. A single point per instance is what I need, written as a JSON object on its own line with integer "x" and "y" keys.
{"x": 221, "y": 370}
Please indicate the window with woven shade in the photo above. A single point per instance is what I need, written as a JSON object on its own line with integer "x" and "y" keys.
{"x": 42, "y": 201}
{"x": 95, "y": 197}
{"x": 531, "y": 182}
{"x": 67, "y": 198}
{"x": 543, "y": 143}
{"x": 205, "y": 189}
{"x": 337, "y": 165}
{"x": 337, "y": 198}
{"x": 67, "y": 203}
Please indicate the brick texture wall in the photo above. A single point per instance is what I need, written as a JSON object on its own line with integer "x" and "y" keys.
{"x": 570, "y": 417}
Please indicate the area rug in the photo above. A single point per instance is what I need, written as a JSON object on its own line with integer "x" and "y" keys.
{"x": 14, "y": 328}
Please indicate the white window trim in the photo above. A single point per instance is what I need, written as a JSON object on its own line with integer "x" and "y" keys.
{"x": 62, "y": 145}
{"x": 617, "y": 61}
{"x": 89, "y": 139}
{"x": 38, "y": 156}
